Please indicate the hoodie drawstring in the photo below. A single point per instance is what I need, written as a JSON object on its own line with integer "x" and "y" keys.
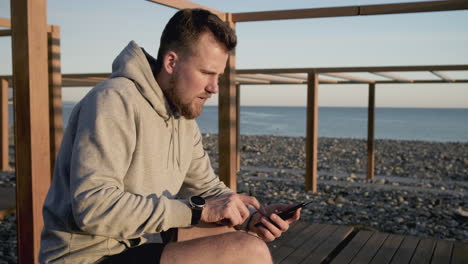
{"x": 172, "y": 145}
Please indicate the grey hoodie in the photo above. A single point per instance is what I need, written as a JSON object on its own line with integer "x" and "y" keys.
{"x": 125, "y": 168}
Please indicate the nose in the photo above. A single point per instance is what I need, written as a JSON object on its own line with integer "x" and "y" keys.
{"x": 213, "y": 87}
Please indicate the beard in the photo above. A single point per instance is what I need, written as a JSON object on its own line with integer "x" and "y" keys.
{"x": 190, "y": 110}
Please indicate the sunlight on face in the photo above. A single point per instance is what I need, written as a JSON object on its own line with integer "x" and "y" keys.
{"x": 195, "y": 76}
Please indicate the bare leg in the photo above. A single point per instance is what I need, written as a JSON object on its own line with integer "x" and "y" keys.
{"x": 202, "y": 230}
{"x": 212, "y": 244}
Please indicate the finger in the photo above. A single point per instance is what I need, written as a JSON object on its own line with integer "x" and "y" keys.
{"x": 249, "y": 200}
{"x": 265, "y": 234}
{"x": 243, "y": 210}
{"x": 235, "y": 216}
{"x": 271, "y": 227}
{"x": 296, "y": 216}
{"x": 283, "y": 225}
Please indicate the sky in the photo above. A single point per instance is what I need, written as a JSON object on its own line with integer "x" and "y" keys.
{"x": 94, "y": 32}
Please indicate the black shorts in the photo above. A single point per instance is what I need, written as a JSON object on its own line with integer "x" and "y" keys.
{"x": 146, "y": 253}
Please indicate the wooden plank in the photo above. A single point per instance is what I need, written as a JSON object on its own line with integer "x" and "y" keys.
{"x": 431, "y": 6}
{"x": 310, "y": 244}
{"x": 370, "y": 132}
{"x": 304, "y": 77}
{"x": 238, "y": 165}
{"x": 306, "y": 233}
{"x": 460, "y": 253}
{"x": 31, "y": 103}
{"x": 294, "y": 75}
{"x": 388, "y": 249}
{"x": 290, "y": 244}
{"x": 243, "y": 80}
{"x": 5, "y": 33}
{"x": 55, "y": 94}
{"x": 293, "y": 231}
{"x": 371, "y": 247}
{"x": 271, "y": 78}
{"x": 104, "y": 75}
{"x": 442, "y": 252}
{"x": 327, "y": 247}
{"x": 227, "y": 135}
{"x": 423, "y": 252}
{"x": 312, "y": 133}
{"x": 442, "y": 76}
{"x": 353, "y": 247}
{"x": 393, "y": 76}
{"x": 405, "y": 251}
{"x": 5, "y": 127}
{"x": 349, "y": 77}
{"x": 181, "y": 4}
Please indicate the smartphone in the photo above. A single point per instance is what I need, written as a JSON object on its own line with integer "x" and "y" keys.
{"x": 286, "y": 214}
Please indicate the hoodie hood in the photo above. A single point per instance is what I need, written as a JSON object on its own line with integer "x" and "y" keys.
{"x": 132, "y": 63}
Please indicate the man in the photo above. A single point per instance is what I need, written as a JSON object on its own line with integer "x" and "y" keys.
{"x": 132, "y": 183}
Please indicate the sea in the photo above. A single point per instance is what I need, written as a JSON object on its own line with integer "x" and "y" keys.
{"x": 427, "y": 124}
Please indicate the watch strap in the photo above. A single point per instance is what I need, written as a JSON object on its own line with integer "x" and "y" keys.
{"x": 196, "y": 215}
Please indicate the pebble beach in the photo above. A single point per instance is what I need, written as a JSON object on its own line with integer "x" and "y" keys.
{"x": 420, "y": 188}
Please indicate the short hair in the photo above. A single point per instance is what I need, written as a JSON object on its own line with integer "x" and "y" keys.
{"x": 184, "y": 29}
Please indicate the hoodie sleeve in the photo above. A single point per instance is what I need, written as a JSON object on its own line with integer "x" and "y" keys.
{"x": 200, "y": 178}
{"x": 102, "y": 151}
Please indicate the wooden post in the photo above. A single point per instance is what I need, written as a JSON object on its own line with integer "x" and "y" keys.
{"x": 5, "y": 126}
{"x": 312, "y": 132}
{"x": 31, "y": 104}
{"x": 238, "y": 127}
{"x": 55, "y": 94}
{"x": 227, "y": 122}
{"x": 370, "y": 132}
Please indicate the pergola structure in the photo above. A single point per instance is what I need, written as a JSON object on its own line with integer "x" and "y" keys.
{"x": 37, "y": 96}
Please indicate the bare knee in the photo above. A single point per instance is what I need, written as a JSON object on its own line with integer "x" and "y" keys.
{"x": 252, "y": 247}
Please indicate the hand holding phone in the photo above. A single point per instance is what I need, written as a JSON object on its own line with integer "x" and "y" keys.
{"x": 285, "y": 214}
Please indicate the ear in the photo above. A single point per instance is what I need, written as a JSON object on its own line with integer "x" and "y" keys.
{"x": 170, "y": 61}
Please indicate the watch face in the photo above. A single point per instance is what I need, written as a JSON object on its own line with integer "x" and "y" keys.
{"x": 197, "y": 201}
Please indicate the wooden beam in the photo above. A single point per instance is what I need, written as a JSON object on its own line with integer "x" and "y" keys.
{"x": 349, "y": 77}
{"x": 104, "y": 75}
{"x": 238, "y": 127}
{"x": 401, "y": 8}
{"x": 312, "y": 133}
{"x": 370, "y": 132}
{"x": 393, "y": 76}
{"x": 461, "y": 67}
{"x": 227, "y": 123}
{"x": 442, "y": 76}
{"x": 5, "y": 127}
{"x": 250, "y": 81}
{"x": 55, "y": 94}
{"x": 430, "y": 6}
{"x": 272, "y": 78}
{"x": 5, "y": 32}
{"x": 31, "y": 104}
{"x": 5, "y": 22}
{"x": 294, "y": 76}
{"x": 182, "y": 4}
{"x": 326, "y": 80}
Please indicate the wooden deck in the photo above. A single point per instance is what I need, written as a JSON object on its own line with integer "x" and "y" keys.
{"x": 320, "y": 243}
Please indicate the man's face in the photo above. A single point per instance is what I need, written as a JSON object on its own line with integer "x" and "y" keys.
{"x": 195, "y": 76}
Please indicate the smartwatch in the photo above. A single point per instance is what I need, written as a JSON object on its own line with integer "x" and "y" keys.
{"x": 197, "y": 204}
